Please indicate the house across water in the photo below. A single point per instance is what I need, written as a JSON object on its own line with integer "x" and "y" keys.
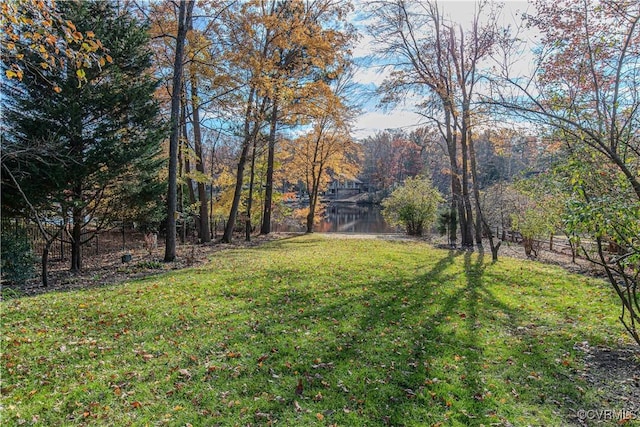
{"x": 343, "y": 187}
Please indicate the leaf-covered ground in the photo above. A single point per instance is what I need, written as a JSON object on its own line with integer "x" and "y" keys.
{"x": 314, "y": 331}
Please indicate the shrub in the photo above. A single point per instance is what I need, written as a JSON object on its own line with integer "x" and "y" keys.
{"x": 17, "y": 258}
{"x": 412, "y": 206}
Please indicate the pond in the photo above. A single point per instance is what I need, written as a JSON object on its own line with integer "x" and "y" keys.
{"x": 350, "y": 218}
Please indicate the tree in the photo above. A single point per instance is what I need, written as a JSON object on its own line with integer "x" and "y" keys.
{"x": 585, "y": 91}
{"x": 327, "y": 147}
{"x": 36, "y": 37}
{"x": 413, "y": 205}
{"x": 389, "y": 158}
{"x": 306, "y": 41}
{"x": 88, "y": 137}
{"x": 432, "y": 57}
{"x": 184, "y": 17}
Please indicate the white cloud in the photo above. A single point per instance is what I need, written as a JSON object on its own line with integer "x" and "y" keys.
{"x": 369, "y": 123}
{"x": 372, "y": 74}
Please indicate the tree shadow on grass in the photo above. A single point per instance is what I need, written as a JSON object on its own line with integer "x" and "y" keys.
{"x": 384, "y": 349}
{"x": 406, "y": 347}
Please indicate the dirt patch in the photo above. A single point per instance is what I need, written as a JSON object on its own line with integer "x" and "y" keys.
{"x": 106, "y": 269}
{"x": 614, "y": 374}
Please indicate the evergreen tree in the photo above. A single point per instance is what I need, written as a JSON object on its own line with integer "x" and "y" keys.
{"x": 87, "y": 148}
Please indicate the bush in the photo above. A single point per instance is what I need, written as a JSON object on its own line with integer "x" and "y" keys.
{"x": 412, "y": 206}
{"x": 17, "y": 258}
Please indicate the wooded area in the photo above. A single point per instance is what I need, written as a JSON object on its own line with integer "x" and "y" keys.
{"x": 167, "y": 117}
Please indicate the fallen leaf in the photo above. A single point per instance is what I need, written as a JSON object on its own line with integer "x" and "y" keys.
{"x": 319, "y": 416}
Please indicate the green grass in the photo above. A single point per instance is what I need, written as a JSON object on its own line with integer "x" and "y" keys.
{"x": 376, "y": 332}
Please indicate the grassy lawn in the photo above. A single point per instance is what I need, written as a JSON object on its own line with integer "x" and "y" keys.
{"x": 311, "y": 331}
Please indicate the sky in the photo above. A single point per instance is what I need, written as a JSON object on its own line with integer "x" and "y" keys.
{"x": 370, "y": 73}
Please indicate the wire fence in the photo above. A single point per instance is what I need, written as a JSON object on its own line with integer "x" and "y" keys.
{"x": 99, "y": 241}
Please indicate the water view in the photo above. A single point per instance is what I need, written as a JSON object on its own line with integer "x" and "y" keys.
{"x": 348, "y": 218}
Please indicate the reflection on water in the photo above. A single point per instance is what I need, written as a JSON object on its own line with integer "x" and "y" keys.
{"x": 348, "y": 218}
{"x": 352, "y": 218}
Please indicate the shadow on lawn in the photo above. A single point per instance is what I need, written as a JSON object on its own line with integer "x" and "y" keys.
{"x": 418, "y": 345}
{"x": 384, "y": 348}
{"x": 405, "y": 388}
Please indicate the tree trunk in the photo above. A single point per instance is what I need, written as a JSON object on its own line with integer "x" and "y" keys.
{"x": 184, "y": 16}
{"x": 183, "y": 154}
{"x": 76, "y": 240}
{"x": 203, "y": 219}
{"x": 453, "y": 222}
{"x": 480, "y": 220}
{"x": 494, "y": 249}
{"x": 211, "y": 174}
{"x": 180, "y": 188}
{"x": 45, "y": 263}
{"x": 184, "y": 169}
{"x": 249, "y": 137}
{"x": 250, "y": 199}
{"x": 456, "y": 210}
{"x": 268, "y": 195}
{"x": 466, "y": 225}
{"x": 313, "y": 196}
{"x": 311, "y": 216}
{"x": 235, "y": 205}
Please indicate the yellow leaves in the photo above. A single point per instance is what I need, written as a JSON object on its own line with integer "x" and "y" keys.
{"x": 14, "y": 74}
{"x": 81, "y": 74}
